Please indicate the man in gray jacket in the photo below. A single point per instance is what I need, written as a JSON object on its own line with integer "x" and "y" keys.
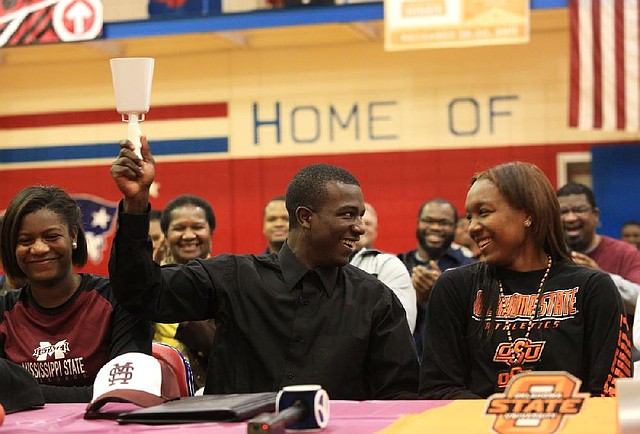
{"x": 386, "y": 267}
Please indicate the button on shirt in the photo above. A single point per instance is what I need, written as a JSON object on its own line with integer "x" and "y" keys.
{"x": 277, "y": 322}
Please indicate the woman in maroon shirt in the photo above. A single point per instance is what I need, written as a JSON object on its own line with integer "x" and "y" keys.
{"x": 61, "y": 326}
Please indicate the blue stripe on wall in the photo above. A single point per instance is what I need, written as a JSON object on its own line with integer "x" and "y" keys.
{"x": 78, "y": 152}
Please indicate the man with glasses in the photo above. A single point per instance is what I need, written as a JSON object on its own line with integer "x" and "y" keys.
{"x": 621, "y": 260}
{"x": 435, "y": 232}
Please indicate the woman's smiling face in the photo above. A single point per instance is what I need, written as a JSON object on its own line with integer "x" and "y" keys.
{"x": 189, "y": 234}
{"x": 45, "y": 247}
{"x": 495, "y": 226}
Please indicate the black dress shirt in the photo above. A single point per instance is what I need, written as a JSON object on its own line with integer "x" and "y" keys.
{"x": 278, "y": 323}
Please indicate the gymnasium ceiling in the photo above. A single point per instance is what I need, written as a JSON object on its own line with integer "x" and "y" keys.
{"x": 542, "y": 20}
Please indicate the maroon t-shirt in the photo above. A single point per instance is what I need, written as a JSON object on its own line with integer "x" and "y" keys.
{"x": 617, "y": 257}
{"x": 67, "y": 345}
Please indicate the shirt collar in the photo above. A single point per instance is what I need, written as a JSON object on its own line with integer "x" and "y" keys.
{"x": 329, "y": 278}
{"x": 294, "y": 270}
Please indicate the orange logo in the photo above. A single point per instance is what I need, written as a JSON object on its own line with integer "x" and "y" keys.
{"x": 536, "y": 403}
{"x": 519, "y": 351}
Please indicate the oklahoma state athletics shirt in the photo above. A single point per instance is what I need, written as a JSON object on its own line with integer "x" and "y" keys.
{"x": 579, "y": 327}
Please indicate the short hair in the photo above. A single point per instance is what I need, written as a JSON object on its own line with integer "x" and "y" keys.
{"x": 577, "y": 188}
{"x": 308, "y": 187}
{"x": 440, "y": 201}
{"x": 525, "y": 187}
{"x": 32, "y": 199}
{"x": 187, "y": 200}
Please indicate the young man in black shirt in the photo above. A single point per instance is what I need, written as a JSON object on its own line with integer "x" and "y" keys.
{"x": 303, "y": 316}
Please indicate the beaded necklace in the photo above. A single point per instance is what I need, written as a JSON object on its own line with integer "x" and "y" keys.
{"x": 514, "y": 356}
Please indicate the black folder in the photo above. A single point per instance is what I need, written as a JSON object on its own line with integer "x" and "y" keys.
{"x": 205, "y": 408}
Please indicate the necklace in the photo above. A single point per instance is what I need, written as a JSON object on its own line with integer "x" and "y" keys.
{"x": 515, "y": 356}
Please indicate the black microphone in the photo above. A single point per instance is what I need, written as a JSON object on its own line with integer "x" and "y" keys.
{"x": 301, "y": 407}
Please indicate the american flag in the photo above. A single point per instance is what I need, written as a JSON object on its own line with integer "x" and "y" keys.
{"x": 604, "y": 88}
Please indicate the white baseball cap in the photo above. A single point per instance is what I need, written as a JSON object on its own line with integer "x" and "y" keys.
{"x": 135, "y": 378}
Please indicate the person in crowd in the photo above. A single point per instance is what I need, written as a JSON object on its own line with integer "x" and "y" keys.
{"x": 158, "y": 240}
{"x": 434, "y": 233}
{"x": 187, "y": 223}
{"x": 386, "y": 267}
{"x": 275, "y": 224}
{"x": 620, "y": 260}
{"x": 462, "y": 240}
{"x": 299, "y": 317}
{"x": 61, "y": 326}
{"x": 526, "y": 306}
{"x": 630, "y": 232}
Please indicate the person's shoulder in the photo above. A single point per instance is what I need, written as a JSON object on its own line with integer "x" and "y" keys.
{"x": 408, "y": 258}
{"x": 388, "y": 260}
{"x": 236, "y": 257}
{"x": 458, "y": 282}
{"x": 620, "y": 246}
{"x": 369, "y": 253}
{"x": 591, "y": 282}
{"x": 365, "y": 251}
{"x": 408, "y": 254}
{"x": 95, "y": 285}
{"x": 467, "y": 270}
{"x": 366, "y": 286}
{"x": 234, "y": 263}
{"x": 91, "y": 282}
{"x": 460, "y": 276}
{"x": 269, "y": 260}
{"x": 10, "y": 299}
{"x": 362, "y": 279}
{"x": 574, "y": 272}
{"x": 352, "y": 272}
{"x": 233, "y": 258}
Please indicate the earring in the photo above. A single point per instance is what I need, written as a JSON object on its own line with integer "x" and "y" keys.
{"x": 74, "y": 245}
{"x": 527, "y": 223}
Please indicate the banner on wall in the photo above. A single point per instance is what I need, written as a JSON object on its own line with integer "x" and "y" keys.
{"x": 27, "y": 143}
{"x": 414, "y": 24}
{"x": 30, "y": 22}
{"x": 98, "y": 222}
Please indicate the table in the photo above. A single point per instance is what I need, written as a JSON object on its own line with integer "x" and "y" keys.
{"x": 347, "y": 417}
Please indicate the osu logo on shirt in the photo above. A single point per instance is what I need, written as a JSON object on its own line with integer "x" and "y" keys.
{"x": 536, "y": 403}
{"x": 525, "y": 351}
